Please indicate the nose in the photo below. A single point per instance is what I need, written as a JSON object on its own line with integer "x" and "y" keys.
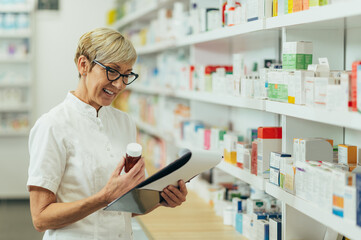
{"x": 118, "y": 83}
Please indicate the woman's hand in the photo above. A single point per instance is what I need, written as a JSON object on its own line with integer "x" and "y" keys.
{"x": 118, "y": 184}
{"x": 173, "y": 196}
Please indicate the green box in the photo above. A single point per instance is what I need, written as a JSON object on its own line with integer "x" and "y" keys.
{"x": 296, "y": 61}
{"x": 278, "y": 92}
{"x": 308, "y": 60}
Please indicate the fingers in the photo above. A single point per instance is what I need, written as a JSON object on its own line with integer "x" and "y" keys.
{"x": 119, "y": 167}
{"x": 137, "y": 167}
{"x": 174, "y": 196}
{"x": 170, "y": 202}
{"x": 182, "y": 187}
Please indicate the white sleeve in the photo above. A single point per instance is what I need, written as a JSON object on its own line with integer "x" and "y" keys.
{"x": 47, "y": 156}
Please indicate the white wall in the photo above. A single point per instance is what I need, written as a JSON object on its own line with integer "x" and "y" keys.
{"x": 57, "y": 35}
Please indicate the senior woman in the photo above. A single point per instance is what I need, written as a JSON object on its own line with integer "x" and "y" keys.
{"x": 77, "y": 149}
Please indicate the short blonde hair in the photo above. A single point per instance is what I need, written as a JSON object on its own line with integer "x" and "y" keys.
{"x": 106, "y": 46}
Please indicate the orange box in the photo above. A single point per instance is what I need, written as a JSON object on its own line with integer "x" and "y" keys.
{"x": 337, "y": 201}
{"x": 297, "y": 5}
{"x": 347, "y": 154}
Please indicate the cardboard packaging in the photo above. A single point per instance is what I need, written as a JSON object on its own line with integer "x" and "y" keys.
{"x": 254, "y": 157}
{"x": 316, "y": 149}
{"x": 269, "y": 140}
{"x": 296, "y": 55}
{"x": 358, "y": 199}
{"x": 275, "y": 229}
{"x": 340, "y": 179}
{"x": 347, "y": 154}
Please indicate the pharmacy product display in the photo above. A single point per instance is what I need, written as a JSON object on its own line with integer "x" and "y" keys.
{"x": 16, "y": 93}
{"x": 281, "y": 67}
{"x": 194, "y": 17}
{"x": 15, "y": 69}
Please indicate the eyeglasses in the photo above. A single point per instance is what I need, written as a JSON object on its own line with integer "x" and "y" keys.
{"x": 114, "y": 75}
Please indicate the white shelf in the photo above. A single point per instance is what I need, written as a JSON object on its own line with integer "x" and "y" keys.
{"x": 152, "y": 130}
{"x": 20, "y": 108}
{"x": 14, "y": 9}
{"x": 344, "y": 119}
{"x": 150, "y": 90}
{"x": 243, "y": 175}
{"x": 157, "y": 47}
{"x": 13, "y": 133}
{"x": 222, "y": 33}
{"x": 142, "y": 14}
{"x": 320, "y": 17}
{"x": 232, "y": 101}
{"x": 15, "y": 34}
{"x": 340, "y": 225}
{"x": 316, "y": 15}
{"x": 135, "y": 16}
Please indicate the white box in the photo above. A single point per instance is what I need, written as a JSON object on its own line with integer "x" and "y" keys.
{"x": 350, "y": 203}
{"x": 340, "y": 179}
{"x": 296, "y": 86}
{"x": 274, "y": 176}
{"x": 261, "y": 229}
{"x": 275, "y": 229}
{"x": 264, "y": 149}
{"x": 316, "y": 149}
{"x": 309, "y": 91}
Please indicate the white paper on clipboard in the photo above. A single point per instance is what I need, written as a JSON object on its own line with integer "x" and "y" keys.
{"x": 147, "y": 194}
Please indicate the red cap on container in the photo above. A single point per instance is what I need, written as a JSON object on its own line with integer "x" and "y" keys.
{"x": 209, "y": 69}
{"x": 270, "y": 132}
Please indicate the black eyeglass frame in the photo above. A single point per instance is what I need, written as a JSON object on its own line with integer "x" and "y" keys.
{"x": 120, "y": 75}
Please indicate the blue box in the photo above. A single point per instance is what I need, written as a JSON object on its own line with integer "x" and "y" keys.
{"x": 239, "y": 222}
{"x": 358, "y": 199}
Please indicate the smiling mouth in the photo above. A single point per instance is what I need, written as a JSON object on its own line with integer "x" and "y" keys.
{"x": 108, "y": 92}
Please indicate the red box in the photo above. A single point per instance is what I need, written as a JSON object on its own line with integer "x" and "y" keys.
{"x": 353, "y": 87}
{"x": 270, "y": 132}
{"x": 254, "y": 158}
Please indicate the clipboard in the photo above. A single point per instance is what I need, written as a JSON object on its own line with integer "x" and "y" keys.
{"x": 146, "y": 195}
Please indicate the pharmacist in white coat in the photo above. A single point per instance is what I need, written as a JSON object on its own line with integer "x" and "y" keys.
{"x": 77, "y": 149}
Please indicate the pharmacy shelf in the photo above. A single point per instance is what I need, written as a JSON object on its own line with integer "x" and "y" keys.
{"x": 13, "y": 108}
{"x": 340, "y": 225}
{"x": 152, "y": 130}
{"x": 231, "y": 101}
{"x": 316, "y": 16}
{"x": 14, "y": 9}
{"x": 222, "y": 33}
{"x": 243, "y": 175}
{"x": 13, "y": 133}
{"x": 137, "y": 16}
{"x": 151, "y": 90}
{"x": 16, "y": 34}
{"x": 142, "y": 14}
{"x": 157, "y": 47}
{"x": 220, "y": 99}
{"x": 217, "y": 34}
{"x": 339, "y": 118}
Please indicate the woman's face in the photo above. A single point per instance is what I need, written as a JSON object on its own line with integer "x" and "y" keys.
{"x": 97, "y": 90}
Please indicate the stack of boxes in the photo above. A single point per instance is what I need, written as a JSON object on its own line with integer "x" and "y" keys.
{"x": 286, "y": 86}
{"x": 275, "y": 165}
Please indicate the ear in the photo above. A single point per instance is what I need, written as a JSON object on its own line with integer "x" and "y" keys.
{"x": 83, "y": 65}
